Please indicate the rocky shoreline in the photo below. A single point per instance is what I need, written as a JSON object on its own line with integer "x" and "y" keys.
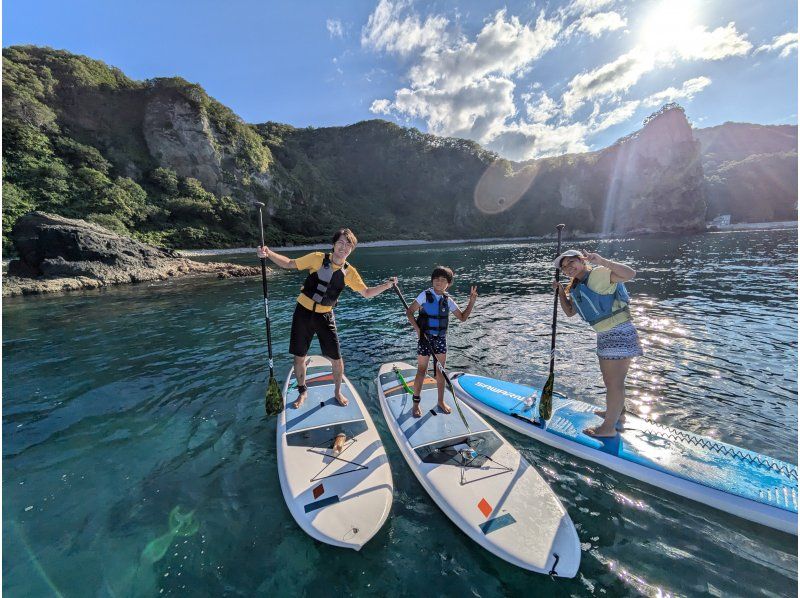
{"x": 60, "y": 254}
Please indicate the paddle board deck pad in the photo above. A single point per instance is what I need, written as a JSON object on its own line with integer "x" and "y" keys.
{"x": 478, "y": 479}
{"x": 741, "y": 482}
{"x": 339, "y": 499}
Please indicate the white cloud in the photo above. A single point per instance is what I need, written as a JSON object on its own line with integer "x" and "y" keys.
{"x": 465, "y": 86}
{"x": 542, "y": 109}
{"x": 503, "y": 46}
{"x": 700, "y": 44}
{"x": 381, "y": 106}
{"x": 786, "y": 43}
{"x": 525, "y": 141}
{"x": 335, "y": 28}
{"x": 688, "y": 90}
{"x": 477, "y": 110}
{"x": 607, "y": 80}
{"x": 620, "y": 114}
{"x": 587, "y": 7}
{"x": 621, "y": 74}
{"x": 386, "y": 30}
{"x": 595, "y": 25}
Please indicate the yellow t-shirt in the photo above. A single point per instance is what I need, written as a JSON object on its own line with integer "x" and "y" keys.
{"x": 600, "y": 282}
{"x": 313, "y": 262}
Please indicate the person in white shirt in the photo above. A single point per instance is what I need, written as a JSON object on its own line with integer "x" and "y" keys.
{"x": 435, "y": 306}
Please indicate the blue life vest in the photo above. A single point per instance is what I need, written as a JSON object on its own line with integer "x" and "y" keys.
{"x": 434, "y": 315}
{"x": 595, "y": 307}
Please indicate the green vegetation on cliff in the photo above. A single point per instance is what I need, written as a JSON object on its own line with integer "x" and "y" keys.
{"x": 166, "y": 163}
{"x": 751, "y": 171}
{"x": 75, "y": 144}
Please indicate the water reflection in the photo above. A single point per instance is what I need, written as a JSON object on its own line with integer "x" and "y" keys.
{"x": 120, "y": 404}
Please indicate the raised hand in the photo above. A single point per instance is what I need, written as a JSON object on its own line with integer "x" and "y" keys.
{"x": 592, "y": 258}
{"x": 473, "y": 294}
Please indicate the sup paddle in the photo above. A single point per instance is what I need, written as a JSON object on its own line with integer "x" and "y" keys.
{"x": 437, "y": 365}
{"x": 273, "y": 401}
{"x": 546, "y": 401}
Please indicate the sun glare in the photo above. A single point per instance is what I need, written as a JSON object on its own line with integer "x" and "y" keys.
{"x": 668, "y": 26}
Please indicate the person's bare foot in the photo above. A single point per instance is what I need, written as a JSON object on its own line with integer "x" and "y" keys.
{"x": 443, "y": 406}
{"x": 301, "y": 398}
{"x": 341, "y": 399}
{"x": 600, "y": 432}
{"x": 415, "y": 410}
{"x": 338, "y": 444}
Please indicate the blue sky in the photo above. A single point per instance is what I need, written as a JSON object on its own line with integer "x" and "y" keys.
{"x": 526, "y": 79}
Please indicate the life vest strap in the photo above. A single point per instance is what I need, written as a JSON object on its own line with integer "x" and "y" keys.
{"x": 625, "y": 309}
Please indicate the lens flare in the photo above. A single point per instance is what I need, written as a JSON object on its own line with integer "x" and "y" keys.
{"x": 501, "y": 187}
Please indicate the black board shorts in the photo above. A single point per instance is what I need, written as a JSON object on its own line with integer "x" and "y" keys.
{"x": 305, "y": 324}
{"x": 439, "y": 344}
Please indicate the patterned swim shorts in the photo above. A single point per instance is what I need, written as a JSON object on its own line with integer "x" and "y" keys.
{"x": 621, "y": 342}
{"x": 439, "y": 344}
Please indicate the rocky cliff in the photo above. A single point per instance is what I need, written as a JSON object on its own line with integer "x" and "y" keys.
{"x": 750, "y": 171}
{"x": 162, "y": 161}
{"x": 62, "y": 254}
{"x": 391, "y": 178}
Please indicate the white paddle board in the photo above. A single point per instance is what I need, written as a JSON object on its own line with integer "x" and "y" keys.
{"x": 341, "y": 499}
{"x": 478, "y": 479}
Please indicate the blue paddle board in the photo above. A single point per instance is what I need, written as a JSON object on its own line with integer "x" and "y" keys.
{"x": 741, "y": 482}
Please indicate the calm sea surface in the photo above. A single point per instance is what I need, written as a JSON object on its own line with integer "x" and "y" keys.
{"x": 137, "y": 460}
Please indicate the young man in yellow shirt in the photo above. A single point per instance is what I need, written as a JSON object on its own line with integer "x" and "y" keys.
{"x": 329, "y": 273}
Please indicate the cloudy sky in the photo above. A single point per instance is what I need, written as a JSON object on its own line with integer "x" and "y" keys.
{"x": 525, "y": 79}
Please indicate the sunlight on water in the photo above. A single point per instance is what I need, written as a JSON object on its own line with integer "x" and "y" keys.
{"x": 122, "y": 404}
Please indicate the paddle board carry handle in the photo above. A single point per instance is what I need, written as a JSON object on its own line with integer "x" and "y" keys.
{"x": 546, "y": 400}
{"x": 555, "y": 563}
{"x": 437, "y": 366}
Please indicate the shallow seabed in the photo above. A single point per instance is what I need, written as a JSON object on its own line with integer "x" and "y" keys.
{"x": 138, "y": 460}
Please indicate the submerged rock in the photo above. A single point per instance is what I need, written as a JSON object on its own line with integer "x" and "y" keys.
{"x": 62, "y": 254}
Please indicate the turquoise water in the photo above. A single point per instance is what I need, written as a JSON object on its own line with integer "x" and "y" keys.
{"x": 137, "y": 460}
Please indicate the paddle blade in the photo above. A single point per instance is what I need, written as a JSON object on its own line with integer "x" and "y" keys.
{"x": 546, "y": 402}
{"x": 273, "y": 400}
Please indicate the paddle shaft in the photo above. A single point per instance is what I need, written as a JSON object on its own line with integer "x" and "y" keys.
{"x": 546, "y": 399}
{"x": 437, "y": 364}
{"x": 266, "y": 293}
{"x": 559, "y": 228}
